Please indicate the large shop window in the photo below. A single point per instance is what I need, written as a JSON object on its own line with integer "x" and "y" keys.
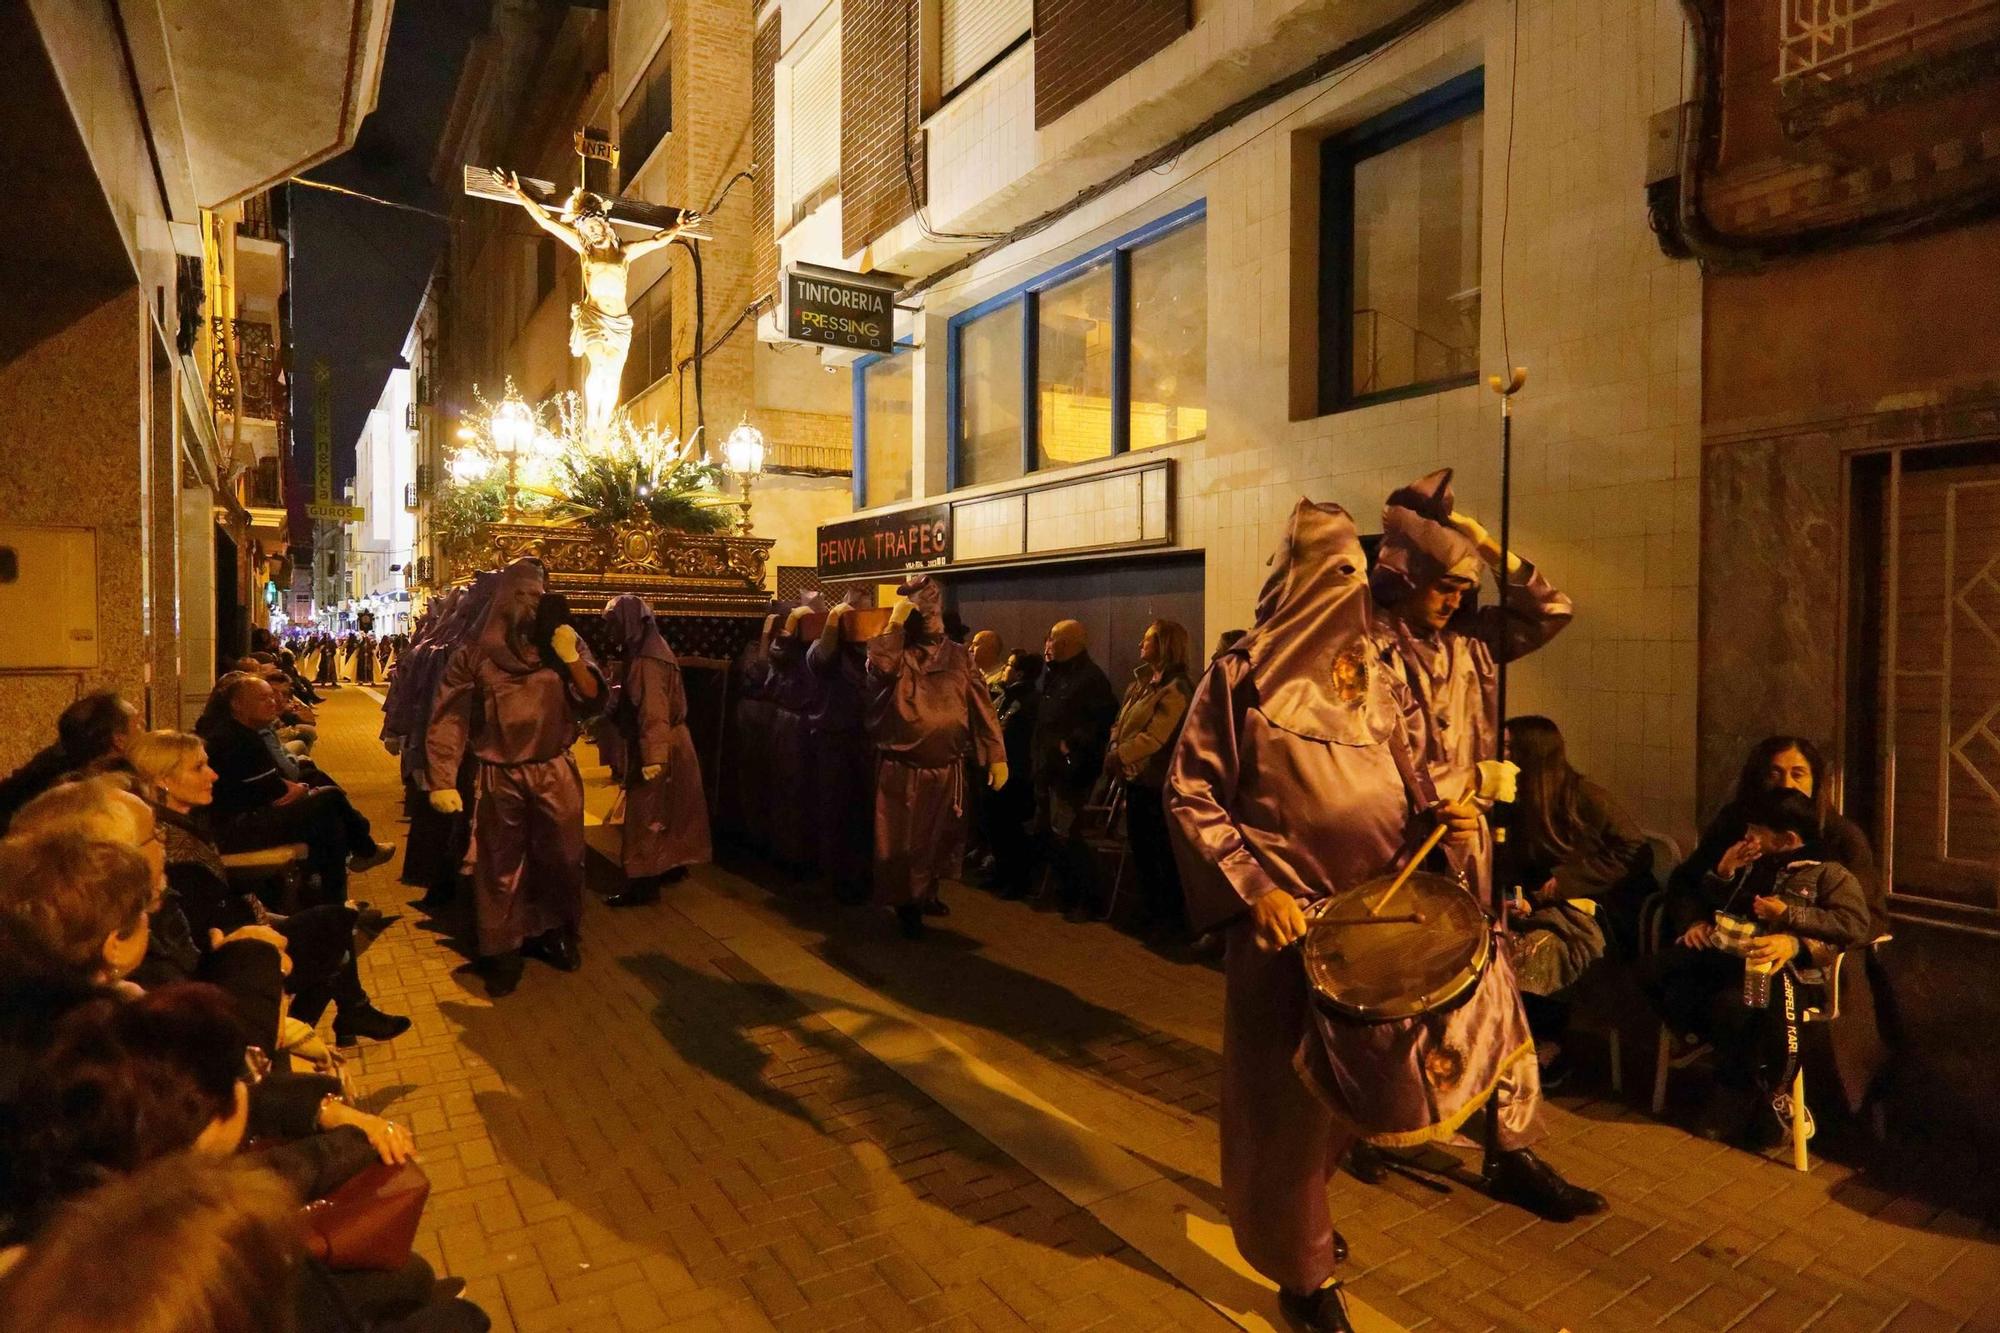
{"x": 974, "y": 34}
{"x": 1106, "y": 354}
{"x": 648, "y": 113}
{"x": 813, "y": 121}
{"x": 885, "y": 406}
{"x": 1399, "y": 252}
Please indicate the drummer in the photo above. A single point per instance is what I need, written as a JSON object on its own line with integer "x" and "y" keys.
{"x": 1298, "y": 774}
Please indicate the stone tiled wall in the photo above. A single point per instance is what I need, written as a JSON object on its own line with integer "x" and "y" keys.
{"x": 75, "y": 419}
{"x": 1607, "y": 434}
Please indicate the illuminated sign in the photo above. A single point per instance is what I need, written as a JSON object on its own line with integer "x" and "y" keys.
{"x": 854, "y": 311}
{"x": 887, "y": 544}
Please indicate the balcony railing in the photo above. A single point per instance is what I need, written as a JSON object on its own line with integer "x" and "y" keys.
{"x": 829, "y": 460}
{"x": 256, "y": 357}
{"x": 256, "y": 221}
{"x": 263, "y": 485}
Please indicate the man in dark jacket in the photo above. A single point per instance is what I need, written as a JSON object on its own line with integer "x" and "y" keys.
{"x": 1072, "y": 727}
{"x": 256, "y": 805}
{"x": 96, "y": 725}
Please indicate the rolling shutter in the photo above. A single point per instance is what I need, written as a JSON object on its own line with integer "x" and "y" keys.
{"x": 972, "y": 32}
{"x": 815, "y": 116}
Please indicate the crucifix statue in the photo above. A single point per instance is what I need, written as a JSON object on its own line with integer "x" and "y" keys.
{"x": 600, "y": 328}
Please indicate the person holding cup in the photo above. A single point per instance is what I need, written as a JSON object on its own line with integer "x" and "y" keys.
{"x": 1778, "y": 916}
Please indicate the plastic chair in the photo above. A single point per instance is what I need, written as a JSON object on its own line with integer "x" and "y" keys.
{"x": 1800, "y": 1118}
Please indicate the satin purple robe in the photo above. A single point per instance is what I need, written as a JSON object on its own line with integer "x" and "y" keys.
{"x": 843, "y": 762}
{"x": 666, "y": 818}
{"x": 528, "y": 821}
{"x": 788, "y": 801}
{"x": 927, "y": 709}
{"x": 1287, "y": 780}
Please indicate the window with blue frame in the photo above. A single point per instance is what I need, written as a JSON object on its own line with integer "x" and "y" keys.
{"x": 1105, "y": 354}
{"x": 884, "y": 410}
{"x": 1399, "y": 250}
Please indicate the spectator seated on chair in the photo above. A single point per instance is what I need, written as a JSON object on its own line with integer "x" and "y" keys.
{"x": 125, "y": 1082}
{"x": 257, "y": 805}
{"x": 1582, "y": 866}
{"x": 95, "y": 727}
{"x": 1864, "y": 1039}
{"x": 173, "y": 768}
{"x": 1772, "y": 902}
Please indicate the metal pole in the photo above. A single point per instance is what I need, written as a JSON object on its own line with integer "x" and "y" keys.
{"x": 1490, "y": 1156}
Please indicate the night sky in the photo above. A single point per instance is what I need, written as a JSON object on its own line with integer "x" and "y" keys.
{"x": 358, "y": 268}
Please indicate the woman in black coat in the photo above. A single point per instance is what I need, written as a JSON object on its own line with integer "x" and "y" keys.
{"x": 320, "y": 940}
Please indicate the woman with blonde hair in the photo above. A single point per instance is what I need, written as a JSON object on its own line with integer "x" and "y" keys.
{"x": 1142, "y": 741}
{"x": 172, "y": 769}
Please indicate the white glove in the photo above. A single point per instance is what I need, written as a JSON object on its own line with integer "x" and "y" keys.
{"x": 996, "y": 775}
{"x": 792, "y": 621}
{"x": 651, "y": 771}
{"x": 565, "y": 643}
{"x": 904, "y": 609}
{"x": 394, "y": 745}
{"x": 447, "y": 801}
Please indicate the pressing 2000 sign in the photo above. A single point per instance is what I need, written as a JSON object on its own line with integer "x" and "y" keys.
{"x": 839, "y": 314}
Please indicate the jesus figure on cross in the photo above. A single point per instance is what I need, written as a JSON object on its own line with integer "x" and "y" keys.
{"x": 600, "y": 329}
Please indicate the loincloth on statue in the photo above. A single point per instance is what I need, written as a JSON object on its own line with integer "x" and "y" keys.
{"x": 1418, "y": 1080}
{"x": 595, "y": 333}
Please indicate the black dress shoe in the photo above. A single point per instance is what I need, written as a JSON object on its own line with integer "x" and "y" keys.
{"x": 365, "y": 1020}
{"x": 910, "y": 920}
{"x": 1523, "y": 1179}
{"x": 934, "y": 907}
{"x": 635, "y": 895}
{"x": 1322, "y": 1311}
{"x": 556, "y": 948}
{"x": 1365, "y": 1164}
{"x": 674, "y": 876}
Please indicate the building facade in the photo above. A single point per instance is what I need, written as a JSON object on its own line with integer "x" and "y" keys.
{"x": 142, "y": 346}
{"x": 1168, "y": 267}
{"x": 668, "y": 85}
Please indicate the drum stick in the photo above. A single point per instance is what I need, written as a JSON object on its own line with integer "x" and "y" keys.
{"x": 1494, "y": 779}
{"x": 1409, "y": 868}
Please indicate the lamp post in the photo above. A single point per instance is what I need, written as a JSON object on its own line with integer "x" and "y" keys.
{"x": 743, "y": 453}
{"x": 513, "y": 428}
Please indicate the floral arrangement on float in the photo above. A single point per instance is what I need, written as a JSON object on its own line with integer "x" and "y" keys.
{"x": 517, "y": 461}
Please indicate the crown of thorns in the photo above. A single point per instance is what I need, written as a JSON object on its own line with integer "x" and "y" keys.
{"x": 583, "y": 204}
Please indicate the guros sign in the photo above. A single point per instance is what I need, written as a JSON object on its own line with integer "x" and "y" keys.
{"x": 834, "y": 308}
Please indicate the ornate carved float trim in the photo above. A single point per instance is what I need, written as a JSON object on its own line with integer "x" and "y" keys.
{"x": 679, "y": 573}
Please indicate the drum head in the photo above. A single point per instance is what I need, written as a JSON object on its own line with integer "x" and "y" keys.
{"x": 1384, "y": 965}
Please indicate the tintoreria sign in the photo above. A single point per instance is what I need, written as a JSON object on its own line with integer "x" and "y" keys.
{"x": 853, "y": 311}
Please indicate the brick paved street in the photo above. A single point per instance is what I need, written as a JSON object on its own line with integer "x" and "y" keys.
{"x": 752, "y": 1110}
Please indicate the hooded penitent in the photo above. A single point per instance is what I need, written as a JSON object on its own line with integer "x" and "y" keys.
{"x": 507, "y": 631}
{"x": 666, "y": 816}
{"x": 633, "y": 629}
{"x": 1286, "y": 780}
{"x": 923, "y": 591}
{"x": 1309, "y": 648}
{"x": 1419, "y": 545}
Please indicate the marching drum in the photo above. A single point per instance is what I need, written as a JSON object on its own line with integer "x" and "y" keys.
{"x": 1383, "y": 951}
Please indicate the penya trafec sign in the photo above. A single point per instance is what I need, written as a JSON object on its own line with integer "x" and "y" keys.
{"x": 886, "y": 544}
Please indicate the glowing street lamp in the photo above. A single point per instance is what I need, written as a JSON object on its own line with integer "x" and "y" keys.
{"x": 743, "y": 452}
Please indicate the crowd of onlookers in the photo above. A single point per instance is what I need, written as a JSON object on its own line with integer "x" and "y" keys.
{"x": 179, "y": 1147}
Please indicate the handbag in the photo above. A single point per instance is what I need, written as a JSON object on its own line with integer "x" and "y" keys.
{"x": 371, "y": 1221}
